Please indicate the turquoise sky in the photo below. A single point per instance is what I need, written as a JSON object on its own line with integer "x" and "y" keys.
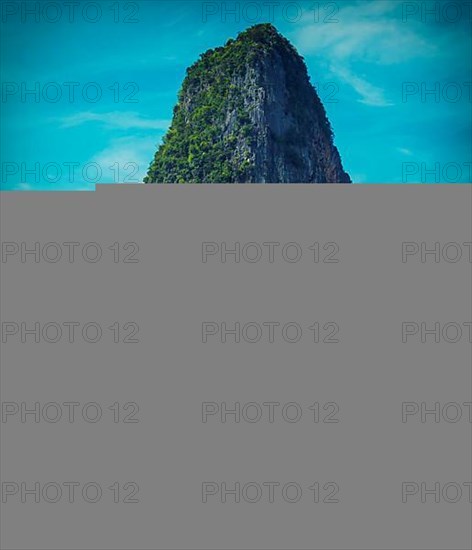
{"x": 362, "y": 56}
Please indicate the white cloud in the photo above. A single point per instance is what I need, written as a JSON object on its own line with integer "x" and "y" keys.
{"x": 370, "y": 94}
{"x": 405, "y": 151}
{"x": 367, "y": 32}
{"x": 115, "y": 119}
{"x": 126, "y": 159}
{"x": 359, "y": 178}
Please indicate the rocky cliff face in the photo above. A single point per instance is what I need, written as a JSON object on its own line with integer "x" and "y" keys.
{"x": 247, "y": 113}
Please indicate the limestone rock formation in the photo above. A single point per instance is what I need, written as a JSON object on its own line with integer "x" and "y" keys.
{"x": 247, "y": 113}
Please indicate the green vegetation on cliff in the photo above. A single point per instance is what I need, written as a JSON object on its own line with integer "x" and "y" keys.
{"x": 201, "y": 146}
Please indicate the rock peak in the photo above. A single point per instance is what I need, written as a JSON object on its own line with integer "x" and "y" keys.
{"x": 247, "y": 113}
{"x": 263, "y": 32}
